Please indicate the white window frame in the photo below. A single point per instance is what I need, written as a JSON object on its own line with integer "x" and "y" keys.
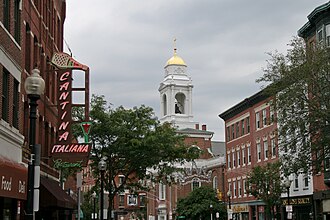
{"x": 258, "y": 151}
{"x": 249, "y": 154}
{"x": 234, "y": 159}
{"x": 239, "y": 188}
{"x": 234, "y": 189}
{"x": 257, "y": 120}
{"x": 243, "y": 157}
{"x": 273, "y": 147}
{"x": 238, "y": 158}
{"x": 264, "y": 117}
{"x": 244, "y": 187}
{"x": 229, "y": 160}
{"x": 215, "y": 182}
{"x": 265, "y": 143}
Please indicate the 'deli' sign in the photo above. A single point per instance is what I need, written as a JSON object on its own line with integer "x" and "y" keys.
{"x": 65, "y": 148}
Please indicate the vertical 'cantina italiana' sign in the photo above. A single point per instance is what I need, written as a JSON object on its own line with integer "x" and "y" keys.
{"x": 64, "y": 148}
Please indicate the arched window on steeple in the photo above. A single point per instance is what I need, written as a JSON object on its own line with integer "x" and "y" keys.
{"x": 180, "y": 103}
{"x": 164, "y": 105}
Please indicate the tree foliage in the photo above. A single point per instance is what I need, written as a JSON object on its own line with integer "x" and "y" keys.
{"x": 264, "y": 183}
{"x": 197, "y": 204}
{"x": 300, "y": 83}
{"x": 132, "y": 140}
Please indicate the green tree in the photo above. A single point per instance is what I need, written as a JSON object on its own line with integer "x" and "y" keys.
{"x": 264, "y": 183}
{"x": 196, "y": 205}
{"x": 131, "y": 141}
{"x": 300, "y": 83}
{"x": 87, "y": 205}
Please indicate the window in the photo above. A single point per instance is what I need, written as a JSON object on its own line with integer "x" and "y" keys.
{"x": 238, "y": 158}
{"x": 162, "y": 191}
{"x": 196, "y": 183}
{"x": 229, "y": 161}
{"x": 233, "y": 132}
{"x": 327, "y": 34}
{"x": 257, "y": 120}
{"x": 272, "y": 116}
{"x": 15, "y": 104}
{"x": 306, "y": 183}
{"x": 132, "y": 200}
{"x": 121, "y": 200}
{"x": 265, "y": 149}
{"x": 17, "y": 22}
{"x": 296, "y": 182}
{"x": 5, "y": 94}
{"x": 259, "y": 151}
{"x": 248, "y": 124}
{"x": 121, "y": 179}
{"x": 249, "y": 154}
{"x": 243, "y": 156}
{"x": 229, "y": 189}
{"x": 215, "y": 182}
{"x": 234, "y": 160}
{"x": 242, "y": 127}
{"x": 244, "y": 187}
{"x": 234, "y": 188}
{"x": 228, "y": 133}
{"x": 6, "y": 14}
{"x": 142, "y": 198}
{"x": 237, "y": 129}
{"x": 239, "y": 188}
{"x": 273, "y": 147}
{"x": 264, "y": 117}
{"x": 320, "y": 35}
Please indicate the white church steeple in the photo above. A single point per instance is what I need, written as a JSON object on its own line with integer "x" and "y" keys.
{"x": 176, "y": 94}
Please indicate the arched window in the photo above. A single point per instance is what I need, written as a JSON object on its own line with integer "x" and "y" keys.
{"x": 164, "y": 105}
{"x": 215, "y": 182}
{"x": 180, "y": 103}
{"x": 195, "y": 183}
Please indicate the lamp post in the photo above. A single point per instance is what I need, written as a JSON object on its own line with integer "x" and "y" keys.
{"x": 211, "y": 210}
{"x": 34, "y": 87}
{"x": 287, "y": 184}
{"x": 102, "y": 167}
{"x": 229, "y": 205}
{"x": 94, "y": 209}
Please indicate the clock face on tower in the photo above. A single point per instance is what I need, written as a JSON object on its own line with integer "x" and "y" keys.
{"x": 178, "y": 70}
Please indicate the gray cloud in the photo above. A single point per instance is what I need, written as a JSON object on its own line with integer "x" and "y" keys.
{"x": 126, "y": 43}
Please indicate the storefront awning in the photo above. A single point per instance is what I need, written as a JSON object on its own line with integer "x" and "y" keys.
{"x": 13, "y": 178}
{"x": 53, "y": 196}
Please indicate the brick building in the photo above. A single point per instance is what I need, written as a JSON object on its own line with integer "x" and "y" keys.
{"x": 30, "y": 33}
{"x": 250, "y": 141}
{"x": 317, "y": 31}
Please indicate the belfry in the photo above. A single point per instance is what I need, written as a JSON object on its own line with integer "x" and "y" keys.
{"x": 176, "y": 94}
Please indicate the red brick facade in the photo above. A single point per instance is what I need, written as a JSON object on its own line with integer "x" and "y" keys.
{"x": 250, "y": 141}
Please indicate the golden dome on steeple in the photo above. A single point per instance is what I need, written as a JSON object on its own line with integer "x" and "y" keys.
{"x": 175, "y": 60}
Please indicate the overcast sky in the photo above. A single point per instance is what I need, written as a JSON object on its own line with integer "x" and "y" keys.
{"x": 126, "y": 44}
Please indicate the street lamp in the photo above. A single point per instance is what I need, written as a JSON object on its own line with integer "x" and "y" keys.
{"x": 34, "y": 87}
{"x": 102, "y": 167}
{"x": 211, "y": 210}
{"x": 287, "y": 184}
{"x": 229, "y": 205}
{"x": 94, "y": 211}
